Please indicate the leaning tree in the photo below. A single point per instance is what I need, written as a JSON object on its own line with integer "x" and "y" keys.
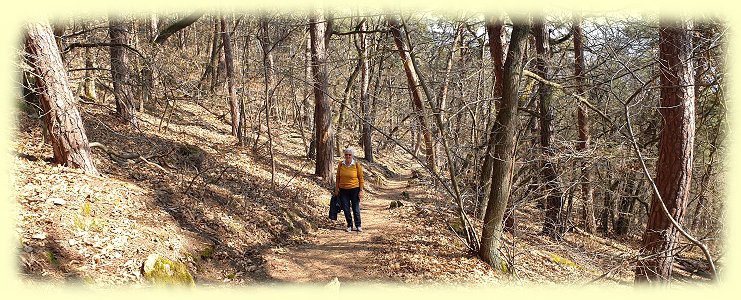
{"x": 63, "y": 121}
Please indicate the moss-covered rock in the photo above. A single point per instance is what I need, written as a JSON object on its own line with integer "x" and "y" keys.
{"x": 164, "y": 272}
{"x": 562, "y": 261}
{"x": 208, "y": 252}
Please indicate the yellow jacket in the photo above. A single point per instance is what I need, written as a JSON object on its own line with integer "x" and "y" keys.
{"x": 351, "y": 176}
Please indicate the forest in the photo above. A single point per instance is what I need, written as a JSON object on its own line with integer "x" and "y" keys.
{"x": 200, "y": 148}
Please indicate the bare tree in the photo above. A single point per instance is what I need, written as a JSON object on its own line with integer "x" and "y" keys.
{"x": 553, "y": 224}
{"x": 505, "y": 126}
{"x": 269, "y": 80}
{"x": 366, "y": 129}
{"x": 495, "y": 30}
{"x": 229, "y": 60}
{"x": 415, "y": 88}
{"x": 590, "y": 223}
{"x": 63, "y": 121}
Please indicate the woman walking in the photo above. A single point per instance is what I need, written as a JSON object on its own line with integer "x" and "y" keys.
{"x": 349, "y": 188}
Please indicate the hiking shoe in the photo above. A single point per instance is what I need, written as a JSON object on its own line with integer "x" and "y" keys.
{"x": 349, "y": 229}
{"x": 360, "y": 229}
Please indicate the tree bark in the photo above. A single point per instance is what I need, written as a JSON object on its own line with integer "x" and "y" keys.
{"x": 308, "y": 121}
{"x": 494, "y": 29}
{"x": 366, "y": 129}
{"x": 120, "y": 73}
{"x": 268, "y": 66}
{"x": 322, "y": 108}
{"x": 415, "y": 90}
{"x": 590, "y": 223}
{"x": 553, "y": 224}
{"x": 229, "y": 61}
{"x": 505, "y": 126}
{"x": 674, "y": 165}
{"x": 63, "y": 121}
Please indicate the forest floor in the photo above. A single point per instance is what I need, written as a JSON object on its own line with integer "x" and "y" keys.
{"x": 202, "y": 200}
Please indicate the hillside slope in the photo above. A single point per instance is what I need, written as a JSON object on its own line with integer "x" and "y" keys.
{"x": 200, "y": 199}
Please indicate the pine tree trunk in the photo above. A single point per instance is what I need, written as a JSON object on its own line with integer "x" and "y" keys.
{"x": 674, "y": 165}
{"x": 504, "y": 145}
{"x": 415, "y": 89}
{"x": 120, "y": 73}
{"x": 322, "y": 108}
{"x": 63, "y": 121}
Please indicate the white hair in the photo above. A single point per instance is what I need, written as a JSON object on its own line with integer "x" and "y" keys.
{"x": 349, "y": 151}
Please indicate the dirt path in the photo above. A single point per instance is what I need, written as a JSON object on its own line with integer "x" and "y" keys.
{"x": 334, "y": 252}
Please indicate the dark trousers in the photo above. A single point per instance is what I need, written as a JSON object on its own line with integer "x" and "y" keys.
{"x": 351, "y": 197}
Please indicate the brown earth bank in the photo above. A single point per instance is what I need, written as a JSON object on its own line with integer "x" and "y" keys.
{"x": 200, "y": 199}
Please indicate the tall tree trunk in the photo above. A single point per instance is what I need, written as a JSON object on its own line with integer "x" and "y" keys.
{"x": 674, "y": 166}
{"x": 553, "y": 224}
{"x": 229, "y": 61}
{"x": 366, "y": 131}
{"x": 209, "y": 73}
{"x": 119, "y": 35}
{"x": 63, "y": 121}
{"x": 590, "y": 223}
{"x": 494, "y": 28}
{"x": 442, "y": 95}
{"x": 308, "y": 121}
{"x": 267, "y": 62}
{"x": 322, "y": 108}
{"x": 505, "y": 126}
{"x": 245, "y": 91}
{"x": 415, "y": 90}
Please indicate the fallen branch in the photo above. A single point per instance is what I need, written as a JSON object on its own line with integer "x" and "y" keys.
{"x": 123, "y": 158}
{"x": 176, "y": 26}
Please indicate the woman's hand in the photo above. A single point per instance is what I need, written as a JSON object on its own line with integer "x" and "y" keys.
{"x": 336, "y": 192}
{"x": 360, "y": 194}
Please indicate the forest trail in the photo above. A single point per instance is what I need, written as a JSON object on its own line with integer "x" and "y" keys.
{"x": 334, "y": 252}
